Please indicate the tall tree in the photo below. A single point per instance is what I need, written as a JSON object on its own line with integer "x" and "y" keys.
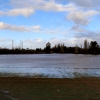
{"x": 62, "y": 48}
{"x": 85, "y": 46}
{"x": 76, "y": 49}
{"x": 94, "y": 47}
{"x": 48, "y": 47}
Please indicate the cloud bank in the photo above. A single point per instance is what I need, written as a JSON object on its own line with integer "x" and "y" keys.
{"x": 5, "y": 26}
{"x": 80, "y": 17}
{"x": 75, "y": 11}
{"x": 37, "y": 28}
{"x": 16, "y": 12}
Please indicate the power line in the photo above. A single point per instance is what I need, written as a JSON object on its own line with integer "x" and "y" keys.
{"x": 12, "y": 44}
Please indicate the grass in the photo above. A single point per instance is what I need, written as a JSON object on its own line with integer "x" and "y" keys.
{"x": 49, "y": 88}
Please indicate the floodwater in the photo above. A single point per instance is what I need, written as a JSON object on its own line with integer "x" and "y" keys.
{"x": 50, "y": 65}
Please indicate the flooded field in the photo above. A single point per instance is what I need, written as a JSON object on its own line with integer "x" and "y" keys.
{"x": 50, "y": 65}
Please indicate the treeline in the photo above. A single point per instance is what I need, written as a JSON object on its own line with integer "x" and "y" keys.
{"x": 89, "y": 48}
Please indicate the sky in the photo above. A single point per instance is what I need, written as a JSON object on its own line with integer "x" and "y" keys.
{"x": 36, "y": 22}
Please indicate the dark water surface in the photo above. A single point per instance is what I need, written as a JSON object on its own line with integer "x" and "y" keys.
{"x": 50, "y": 65}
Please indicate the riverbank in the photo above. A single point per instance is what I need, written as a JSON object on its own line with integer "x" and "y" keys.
{"x": 19, "y": 88}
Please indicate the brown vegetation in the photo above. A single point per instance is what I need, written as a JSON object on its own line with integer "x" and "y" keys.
{"x": 49, "y": 89}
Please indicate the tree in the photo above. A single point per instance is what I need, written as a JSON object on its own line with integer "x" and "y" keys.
{"x": 58, "y": 48}
{"x": 76, "y": 49}
{"x": 62, "y": 48}
{"x": 94, "y": 47}
{"x": 48, "y": 47}
{"x": 85, "y": 46}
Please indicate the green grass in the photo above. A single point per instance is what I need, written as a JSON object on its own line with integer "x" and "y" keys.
{"x": 50, "y": 89}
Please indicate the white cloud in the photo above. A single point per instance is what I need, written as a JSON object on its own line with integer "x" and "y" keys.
{"x": 28, "y": 7}
{"x": 36, "y": 28}
{"x": 15, "y": 12}
{"x": 24, "y": 11}
{"x": 46, "y": 5}
{"x": 81, "y": 17}
{"x": 52, "y": 6}
{"x": 75, "y": 13}
{"x": 5, "y": 26}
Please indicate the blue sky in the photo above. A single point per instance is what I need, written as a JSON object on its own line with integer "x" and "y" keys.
{"x": 36, "y": 22}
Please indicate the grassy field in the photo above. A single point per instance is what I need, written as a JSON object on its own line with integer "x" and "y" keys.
{"x": 16, "y": 88}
